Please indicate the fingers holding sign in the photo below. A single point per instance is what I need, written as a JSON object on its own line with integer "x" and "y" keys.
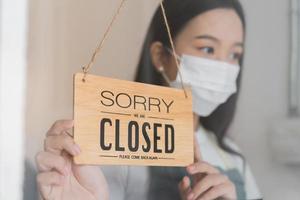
{"x": 207, "y": 182}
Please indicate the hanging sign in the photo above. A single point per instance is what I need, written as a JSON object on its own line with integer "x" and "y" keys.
{"x": 119, "y": 122}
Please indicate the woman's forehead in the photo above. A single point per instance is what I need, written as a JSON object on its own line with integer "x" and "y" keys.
{"x": 223, "y": 24}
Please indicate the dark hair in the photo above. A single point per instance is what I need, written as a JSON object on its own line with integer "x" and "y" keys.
{"x": 179, "y": 13}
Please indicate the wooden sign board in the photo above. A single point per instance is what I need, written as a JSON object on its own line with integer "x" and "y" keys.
{"x": 119, "y": 122}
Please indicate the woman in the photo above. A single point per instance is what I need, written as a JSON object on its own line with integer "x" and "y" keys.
{"x": 209, "y": 40}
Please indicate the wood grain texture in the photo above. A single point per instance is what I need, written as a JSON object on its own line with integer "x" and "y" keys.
{"x": 123, "y": 103}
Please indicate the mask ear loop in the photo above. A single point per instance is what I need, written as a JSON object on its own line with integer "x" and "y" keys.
{"x": 173, "y": 46}
{"x": 162, "y": 71}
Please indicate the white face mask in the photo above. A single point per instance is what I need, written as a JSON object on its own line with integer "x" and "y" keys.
{"x": 212, "y": 82}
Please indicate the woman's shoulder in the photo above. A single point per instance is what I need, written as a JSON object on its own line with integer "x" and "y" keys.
{"x": 210, "y": 138}
{"x": 232, "y": 144}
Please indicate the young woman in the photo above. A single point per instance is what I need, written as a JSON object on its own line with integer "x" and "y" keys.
{"x": 209, "y": 40}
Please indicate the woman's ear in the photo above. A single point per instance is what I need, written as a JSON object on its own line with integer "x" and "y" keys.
{"x": 158, "y": 55}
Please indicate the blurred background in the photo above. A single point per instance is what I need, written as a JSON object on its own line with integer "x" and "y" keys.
{"x": 63, "y": 34}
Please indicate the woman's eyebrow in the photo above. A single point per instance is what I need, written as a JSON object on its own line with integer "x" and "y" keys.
{"x": 208, "y": 37}
{"x": 239, "y": 44}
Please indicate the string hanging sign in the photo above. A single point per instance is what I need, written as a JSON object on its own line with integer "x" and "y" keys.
{"x": 118, "y": 122}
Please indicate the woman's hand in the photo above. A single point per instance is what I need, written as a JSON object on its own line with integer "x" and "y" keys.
{"x": 59, "y": 178}
{"x": 207, "y": 182}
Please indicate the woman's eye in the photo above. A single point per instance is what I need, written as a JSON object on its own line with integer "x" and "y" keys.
{"x": 235, "y": 56}
{"x": 207, "y": 50}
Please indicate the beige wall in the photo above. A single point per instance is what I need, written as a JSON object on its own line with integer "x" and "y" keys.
{"x": 64, "y": 33}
